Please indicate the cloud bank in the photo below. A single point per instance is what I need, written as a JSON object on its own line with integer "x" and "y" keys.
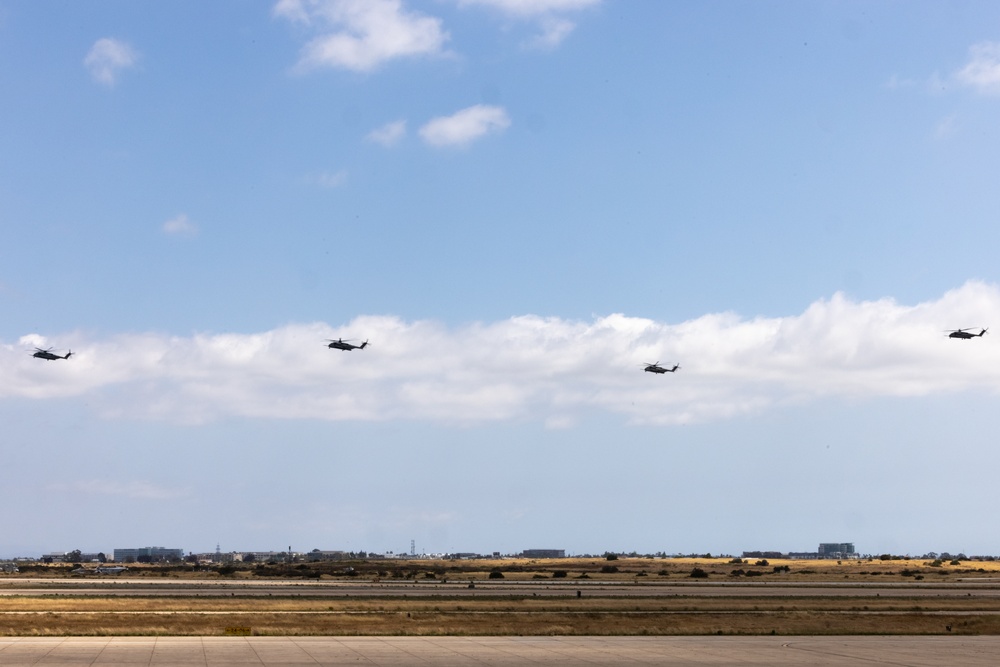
{"x": 550, "y": 370}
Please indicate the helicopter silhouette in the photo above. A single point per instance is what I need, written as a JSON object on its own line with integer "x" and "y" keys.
{"x": 48, "y": 354}
{"x": 658, "y": 369}
{"x": 341, "y": 344}
{"x": 964, "y": 333}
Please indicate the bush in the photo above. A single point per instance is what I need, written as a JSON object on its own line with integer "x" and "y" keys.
{"x": 609, "y": 569}
{"x": 763, "y": 562}
{"x": 611, "y": 556}
{"x": 698, "y": 573}
{"x": 559, "y": 574}
{"x": 496, "y": 574}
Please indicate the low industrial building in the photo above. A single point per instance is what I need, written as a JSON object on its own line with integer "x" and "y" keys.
{"x": 543, "y": 553}
{"x": 837, "y": 550}
{"x": 147, "y": 555}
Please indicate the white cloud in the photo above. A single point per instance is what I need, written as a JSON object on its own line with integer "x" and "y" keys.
{"x": 982, "y": 72}
{"x": 134, "y": 490}
{"x": 107, "y": 58}
{"x": 465, "y": 126}
{"x": 532, "y": 7}
{"x": 548, "y": 14}
{"x": 389, "y": 134}
{"x": 361, "y": 35}
{"x": 546, "y": 369}
{"x": 946, "y": 127}
{"x": 554, "y": 31}
{"x": 180, "y": 225}
{"x": 333, "y": 179}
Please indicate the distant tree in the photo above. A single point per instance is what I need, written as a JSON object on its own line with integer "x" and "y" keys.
{"x": 74, "y": 555}
{"x": 101, "y": 557}
{"x": 611, "y": 556}
{"x": 249, "y": 558}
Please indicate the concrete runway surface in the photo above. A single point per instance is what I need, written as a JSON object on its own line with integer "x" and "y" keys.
{"x": 500, "y": 651}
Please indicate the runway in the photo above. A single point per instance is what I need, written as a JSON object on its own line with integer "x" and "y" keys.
{"x": 283, "y": 588}
{"x": 499, "y": 651}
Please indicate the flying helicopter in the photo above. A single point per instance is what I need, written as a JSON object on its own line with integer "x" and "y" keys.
{"x": 341, "y": 344}
{"x": 48, "y": 354}
{"x": 657, "y": 368}
{"x": 964, "y": 333}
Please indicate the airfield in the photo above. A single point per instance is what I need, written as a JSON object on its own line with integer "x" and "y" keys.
{"x": 501, "y": 651}
{"x": 636, "y": 597}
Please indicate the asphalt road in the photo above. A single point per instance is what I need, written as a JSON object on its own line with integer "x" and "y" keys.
{"x": 283, "y": 588}
{"x": 501, "y": 651}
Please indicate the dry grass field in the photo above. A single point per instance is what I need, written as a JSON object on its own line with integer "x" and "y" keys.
{"x": 967, "y": 605}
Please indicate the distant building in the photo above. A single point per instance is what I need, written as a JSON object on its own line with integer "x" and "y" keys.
{"x": 543, "y": 553}
{"x": 837, "y": 550}
{"x": 147, "y": 555}
{"x": 763, "y": 554}
{"x": 320, "y": 554}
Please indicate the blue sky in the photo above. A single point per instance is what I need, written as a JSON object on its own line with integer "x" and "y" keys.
{"x": 518, "y": 204}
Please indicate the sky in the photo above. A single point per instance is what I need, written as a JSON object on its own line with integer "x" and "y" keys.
{"x": 519, "y": 204}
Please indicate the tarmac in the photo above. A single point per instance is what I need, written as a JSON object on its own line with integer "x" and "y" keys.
{"x": 501, "y": 651}
{"x": 989, "y": 588}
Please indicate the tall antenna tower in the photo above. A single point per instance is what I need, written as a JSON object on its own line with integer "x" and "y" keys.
{"x": 413, "y": 547}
